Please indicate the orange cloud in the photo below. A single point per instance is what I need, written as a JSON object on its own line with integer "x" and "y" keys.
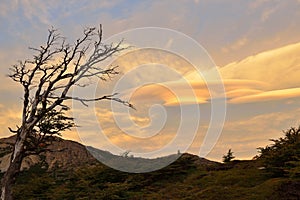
{"x": 268, "y": 96}
{"x": 268, "y": 76}
{"x": 180, "y": 93}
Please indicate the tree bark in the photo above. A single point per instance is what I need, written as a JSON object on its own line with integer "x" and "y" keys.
{"x": 14, "y": 167}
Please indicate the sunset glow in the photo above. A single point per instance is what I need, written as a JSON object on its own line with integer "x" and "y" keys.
{"x": 254, "y": 44}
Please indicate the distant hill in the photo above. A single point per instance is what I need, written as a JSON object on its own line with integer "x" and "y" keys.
{"x": 138, "y": 164}
{"x": 66, "y": 154}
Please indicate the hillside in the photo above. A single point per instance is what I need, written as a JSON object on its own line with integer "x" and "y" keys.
{"x": 70, "y": 172}
{"x": 66, "y": 154}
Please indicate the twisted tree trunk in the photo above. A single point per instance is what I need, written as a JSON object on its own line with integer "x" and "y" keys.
{"x": 14, "y": 167}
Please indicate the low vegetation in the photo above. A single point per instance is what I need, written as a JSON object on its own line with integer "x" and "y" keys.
{"x": 273, "y": 174}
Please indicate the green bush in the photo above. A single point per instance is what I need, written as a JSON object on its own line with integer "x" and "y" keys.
{"x": 282, "y": 158}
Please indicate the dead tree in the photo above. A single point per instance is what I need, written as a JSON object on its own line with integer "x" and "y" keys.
{"x": 47, "y": 80}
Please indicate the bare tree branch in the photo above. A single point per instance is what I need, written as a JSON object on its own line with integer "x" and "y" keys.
{"x": 106, "y": 97}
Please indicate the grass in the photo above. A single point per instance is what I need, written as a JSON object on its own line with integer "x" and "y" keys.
{"x": 237, "y": 180}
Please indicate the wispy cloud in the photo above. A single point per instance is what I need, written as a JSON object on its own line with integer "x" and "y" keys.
{"x": 255, "y": 4}
{"x": 267, "y": 96}
{"x": 268, "y": 76}
{"x": 267, "y": 13}
{"x": 279, "y": 67}
{"x": 7, "y": 6}
{"x": 236, "y": 45}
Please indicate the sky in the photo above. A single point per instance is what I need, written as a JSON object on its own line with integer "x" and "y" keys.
{"x": 254, "y": 45}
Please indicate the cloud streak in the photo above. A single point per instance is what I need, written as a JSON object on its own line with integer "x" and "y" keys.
{"x": 268, "y": 96}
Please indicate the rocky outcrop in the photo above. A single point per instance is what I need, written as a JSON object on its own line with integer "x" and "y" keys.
{"x": 60, "y": 154}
